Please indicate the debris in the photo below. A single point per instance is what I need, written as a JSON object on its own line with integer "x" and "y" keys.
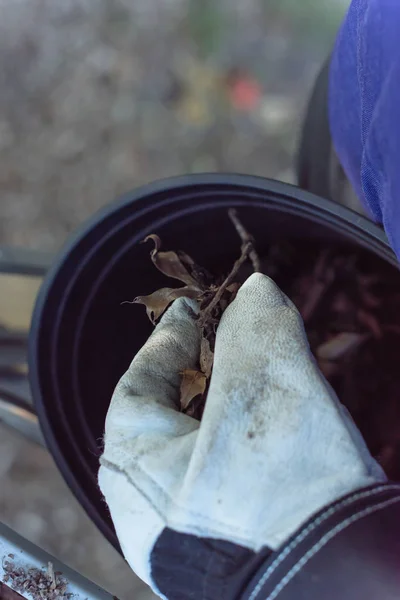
{"x": 206, "y": 314}
{"x": 170, "y": 263}
{"x": 206, "y": 357}
{"x": 41, "y": 584}
{"x": 246, "y": 239}
{"x": 213, "y": 299}
{"x": 337, "y": 346}
{"x": 157, "y": 302}
{"x": 193, "y": 384}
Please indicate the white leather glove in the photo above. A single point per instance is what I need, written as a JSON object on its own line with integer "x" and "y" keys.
{"x": 274, "y": 445}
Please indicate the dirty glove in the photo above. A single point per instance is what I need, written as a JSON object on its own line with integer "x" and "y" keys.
{"x": 274, "y": 445}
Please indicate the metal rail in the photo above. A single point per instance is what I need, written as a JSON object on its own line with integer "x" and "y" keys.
{"x": 27, "y": 571}
{"x": 24, "y": 567}
{"x": 21, "y": 261}
{"x": 16, "y": 409}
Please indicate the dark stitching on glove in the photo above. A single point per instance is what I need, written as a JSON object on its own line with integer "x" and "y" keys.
{"x": 323, "y": 541}
{"x": 303, "y": 534}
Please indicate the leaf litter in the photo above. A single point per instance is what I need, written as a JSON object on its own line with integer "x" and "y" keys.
{"x": 350, "y": 304}
{"x": 193, "y": 384}
{"x": 213, "y": 295}
{"x": 41, "y": 584}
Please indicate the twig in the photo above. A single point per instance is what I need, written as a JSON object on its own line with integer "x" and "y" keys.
{"x": 246, "y": 239}
{"x": 246, "y": 249}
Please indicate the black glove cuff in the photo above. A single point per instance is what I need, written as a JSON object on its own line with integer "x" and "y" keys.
{"x": 350, "y": 549}
{"x": 184, "y": 566}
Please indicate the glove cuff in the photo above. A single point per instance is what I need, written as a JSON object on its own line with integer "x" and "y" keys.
{"x": 349, "y": 549}
{"x": 185, "y": 566}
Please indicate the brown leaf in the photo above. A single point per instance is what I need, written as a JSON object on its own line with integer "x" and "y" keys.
{"x": 203, "y": 277}
{"x": 169, "y": 263}
{"x": 337, "y": 346}
{"x": 206, "y": 357}
{"x": 186, "y": 259}
{"x": 193, "y": 383}
{"x": 157, "y": 302}
{"x": 233, "y": 290}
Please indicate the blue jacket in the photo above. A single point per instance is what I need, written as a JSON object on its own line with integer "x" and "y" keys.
{"x": 364, "y": 107}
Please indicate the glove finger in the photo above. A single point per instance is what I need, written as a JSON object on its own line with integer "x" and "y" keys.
{"x": 261, "y": 330}
{"x": 146, "y": 399}
{"x": 155, "y": 372}
{"x": 147, "y": 442}
{"x": 267, "y": 383}
{"x": 274, "y": 444}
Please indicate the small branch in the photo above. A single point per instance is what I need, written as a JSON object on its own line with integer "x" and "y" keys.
{"x": 246, "y": 239}
{"x": 246, "y": 249}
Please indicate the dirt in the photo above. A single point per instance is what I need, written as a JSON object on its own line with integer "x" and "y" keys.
{"x": 350, "y": 303}
{"x": 41, "y": 584}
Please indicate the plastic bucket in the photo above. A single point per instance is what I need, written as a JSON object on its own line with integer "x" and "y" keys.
{"x": 82, "y": 338}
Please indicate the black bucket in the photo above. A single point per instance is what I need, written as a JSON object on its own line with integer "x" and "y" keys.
{"x": 82, "y": 338}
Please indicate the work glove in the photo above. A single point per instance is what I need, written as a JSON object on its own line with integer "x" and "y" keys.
{"x": 273, "y": 447}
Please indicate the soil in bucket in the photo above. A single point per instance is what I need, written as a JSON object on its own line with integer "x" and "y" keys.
{"x": 350, "y": 304}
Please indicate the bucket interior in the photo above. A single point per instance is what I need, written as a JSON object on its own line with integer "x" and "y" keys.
{"x": 85, "y": 337}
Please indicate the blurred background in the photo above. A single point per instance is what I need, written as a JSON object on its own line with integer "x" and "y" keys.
{"x": 100, "y": 96}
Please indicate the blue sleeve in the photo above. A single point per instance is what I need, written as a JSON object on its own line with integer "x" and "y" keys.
{"x": 364, "y": 107}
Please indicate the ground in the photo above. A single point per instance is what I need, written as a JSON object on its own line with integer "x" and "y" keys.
{"x": 100, "y": 96}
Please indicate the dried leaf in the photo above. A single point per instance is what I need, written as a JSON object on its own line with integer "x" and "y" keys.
{"x": 233, "y": 290}
{"x": 193, "y": 383}
{"x": 169, "y": 263}
{"x": 157, "y": 302}
{"x": 206, "y": 357}
{"x": 203, "y": 277}
{"x": 186, "y": 259}
{"x": 338, "y": 346}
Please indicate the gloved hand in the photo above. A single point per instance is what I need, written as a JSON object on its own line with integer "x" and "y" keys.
{"x": 274, "y": 445}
